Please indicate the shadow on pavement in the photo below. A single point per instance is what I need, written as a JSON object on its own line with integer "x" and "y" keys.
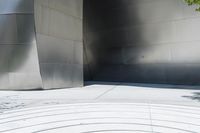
{"x": 195, "y": 96}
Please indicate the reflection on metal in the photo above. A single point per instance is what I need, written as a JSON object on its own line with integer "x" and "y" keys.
{"x": 16, "y": 6}
{"x": 59, "y": 39}
{"x": 60, "y": 60}
{"x": 125, "y": 40}
{"x": 144, "y": 41}
{"x": 19, "y": 67}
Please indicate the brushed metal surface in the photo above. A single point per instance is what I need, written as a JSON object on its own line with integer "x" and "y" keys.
{"x": 26, "y": 28}
{"x": 16, "y": 6}
{"x": 8, "y": 29}
{"x": 24, "y": 67}
{"x": 19, "y": 66}
{"x": 144, "y": 41}
{"x": 59, "y": 39}
{"x": 60, "y": 62}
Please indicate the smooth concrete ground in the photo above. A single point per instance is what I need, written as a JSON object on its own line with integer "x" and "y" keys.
{"x": 101, "y": 107}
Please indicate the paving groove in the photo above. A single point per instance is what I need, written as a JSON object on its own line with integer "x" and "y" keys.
{"x": 102, "y": 118}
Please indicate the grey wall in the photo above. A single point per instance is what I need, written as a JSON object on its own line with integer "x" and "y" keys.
{"x": 51, "y": 29}
{"x": 144, "y": 41}
{"x": 59, "y": 39}
{"x": 19, "y": 67}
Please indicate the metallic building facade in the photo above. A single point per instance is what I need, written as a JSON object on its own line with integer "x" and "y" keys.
{"x": 19, "y": 66}
{"x": 40, "y": 44}
{"x": 59, "y": 40}
{"x": 142, "y": 41}
{"x": 45, "y": 44}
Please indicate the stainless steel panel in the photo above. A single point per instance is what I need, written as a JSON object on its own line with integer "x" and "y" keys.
{"x": 16, "y": 6}
{"x": 60, "y": 44}
{"x": 25, "y": 28}
{"x": 78, "y": 53}
{"x": 185, "y": 53}
{"x": 59, "y": 39}
{"x": 23, "y": 58}
{"x": 159, "y": 54}
{"x": 16, "y": 81}
{"x": 183, "y": 74}
{"x": 60, "y": 75}
{"x": 139, "y": 73}
{"x": 64, "y": 28}
{"x": 55, "y": 50}
{"x": 16, "y": 29}
{"x": 69, "y": 27}
{"x": 47, "y": 73}
{"x": 8, "y": 29}
{"x": 130, "y": 13}
{"x": 63, "y": 74}
{"x": 185, "y": 28}
{"x": 71, "y": 7}
{"x": 42, "y": 20}
{"x": 4, "y": 81}
{"x": 59, "y": 59}
{"x": 4, "y": 51}
{"x": 56, "y": 56}
{"x": 145, "y": 41}
{"x": 77, "y": 76}
{"x": 19, "y": 65}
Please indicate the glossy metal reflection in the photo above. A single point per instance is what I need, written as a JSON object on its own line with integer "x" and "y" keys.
{"x": 59, "y": 39}
{"x": 144, "y": 41}
{"x": 19, "y": 67}
{"x": 59, "y": 46}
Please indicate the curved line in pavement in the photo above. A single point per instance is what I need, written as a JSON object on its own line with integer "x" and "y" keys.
{"x": 82, "y": 112}
{"x": 120, "y": 130}
{"x": 99, "y": 104}
{"x": 61, "y": 109}
{"x": 67, "y": 106}
{"x": 106, "y": 123}
{"x": 46, "y": 123}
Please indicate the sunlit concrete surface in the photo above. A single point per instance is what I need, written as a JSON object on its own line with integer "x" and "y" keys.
{"x": 102, "y": 108}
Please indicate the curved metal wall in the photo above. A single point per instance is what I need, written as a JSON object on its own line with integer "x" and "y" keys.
{"x": 19, "y": 67}
{"x": 59, "y": 39}
{"x": 143, "y": 41}
{"x": 59, "y": 44}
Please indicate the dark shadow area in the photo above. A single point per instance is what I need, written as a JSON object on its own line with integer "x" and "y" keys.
{"x": 134, "y": 41}
{"x": 149, "y": 86}
{"x": 18, "y": 90}
{"x": 195, "y": 96}
{"x": 107, "y": 32}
